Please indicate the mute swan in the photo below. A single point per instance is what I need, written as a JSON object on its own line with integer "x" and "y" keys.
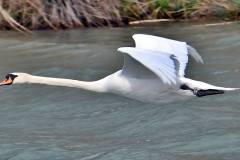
{"x": 153, "y": 71}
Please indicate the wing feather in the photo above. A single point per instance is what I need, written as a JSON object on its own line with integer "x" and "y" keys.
{"x": 157, "y": 62}
{"x": 177, "y": 48}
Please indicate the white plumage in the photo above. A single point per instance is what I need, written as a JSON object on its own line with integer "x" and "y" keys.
{"x": 158, "y": 62}
{"x": 153, "y": 71}
{"x": 179, "y": 49}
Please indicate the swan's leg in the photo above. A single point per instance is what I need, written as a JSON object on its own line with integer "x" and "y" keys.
{"x": 202, "y": 93}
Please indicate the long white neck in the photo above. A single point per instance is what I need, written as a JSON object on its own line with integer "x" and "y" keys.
{"x": 96, "y": 86}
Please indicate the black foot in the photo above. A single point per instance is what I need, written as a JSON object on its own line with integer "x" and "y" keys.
{"x": 201, "y": 92}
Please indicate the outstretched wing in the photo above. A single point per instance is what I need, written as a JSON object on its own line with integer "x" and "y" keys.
{"x": 162, "y": 64}
{"x": 179, "y": 49}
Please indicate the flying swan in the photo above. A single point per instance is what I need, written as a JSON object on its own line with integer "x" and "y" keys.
{"x": 153, "y": 71}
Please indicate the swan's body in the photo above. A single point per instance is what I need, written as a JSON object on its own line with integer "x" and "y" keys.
{"x": 153, "y": 71}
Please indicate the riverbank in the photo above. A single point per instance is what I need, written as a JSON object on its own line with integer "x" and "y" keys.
{"x": 56, "y": 14}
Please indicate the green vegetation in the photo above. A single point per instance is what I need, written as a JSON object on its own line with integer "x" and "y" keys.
{"x": 42, "y": 14}
{"x": 181, "y": 9}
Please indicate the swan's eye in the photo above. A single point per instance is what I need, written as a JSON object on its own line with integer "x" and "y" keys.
{"x": 10, "y": 76}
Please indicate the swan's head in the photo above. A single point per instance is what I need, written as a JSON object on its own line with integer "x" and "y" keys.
{"x": 15, "y": 78}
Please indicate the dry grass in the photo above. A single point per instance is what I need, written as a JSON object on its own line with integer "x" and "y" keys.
{"x": 181, "y": 9}
{"x": 22, "y": 15}
{"x": 42, "y": 14}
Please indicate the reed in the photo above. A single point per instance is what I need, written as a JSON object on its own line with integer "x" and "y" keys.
{"x": 23, "y": 15}
{"x": 181, "y": 9}
{"x": 55, "y": 14}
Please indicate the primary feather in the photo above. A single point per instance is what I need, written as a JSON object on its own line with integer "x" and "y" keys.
{"x": 162, "y": 64}
{"x": 177, "y": 48}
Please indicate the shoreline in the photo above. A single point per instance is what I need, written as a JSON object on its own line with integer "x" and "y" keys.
{"x": 196, "y": 23}
{"x": 26, "y": 16}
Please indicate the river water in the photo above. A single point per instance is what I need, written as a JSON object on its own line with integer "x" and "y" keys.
{"x": 47, "y": 122}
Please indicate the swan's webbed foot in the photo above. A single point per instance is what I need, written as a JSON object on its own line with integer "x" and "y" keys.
{"x": 202, "y": 93}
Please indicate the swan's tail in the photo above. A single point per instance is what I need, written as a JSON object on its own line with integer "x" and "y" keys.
{"x": 204, "y": 86}
{"x": 225, "y": 89}
{"x": 228, "y": 89}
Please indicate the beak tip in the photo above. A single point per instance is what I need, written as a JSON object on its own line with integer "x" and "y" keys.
{"x": 6, "y": 82}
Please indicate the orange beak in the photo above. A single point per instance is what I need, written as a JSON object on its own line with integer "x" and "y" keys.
{"x": 6, "y": 82}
